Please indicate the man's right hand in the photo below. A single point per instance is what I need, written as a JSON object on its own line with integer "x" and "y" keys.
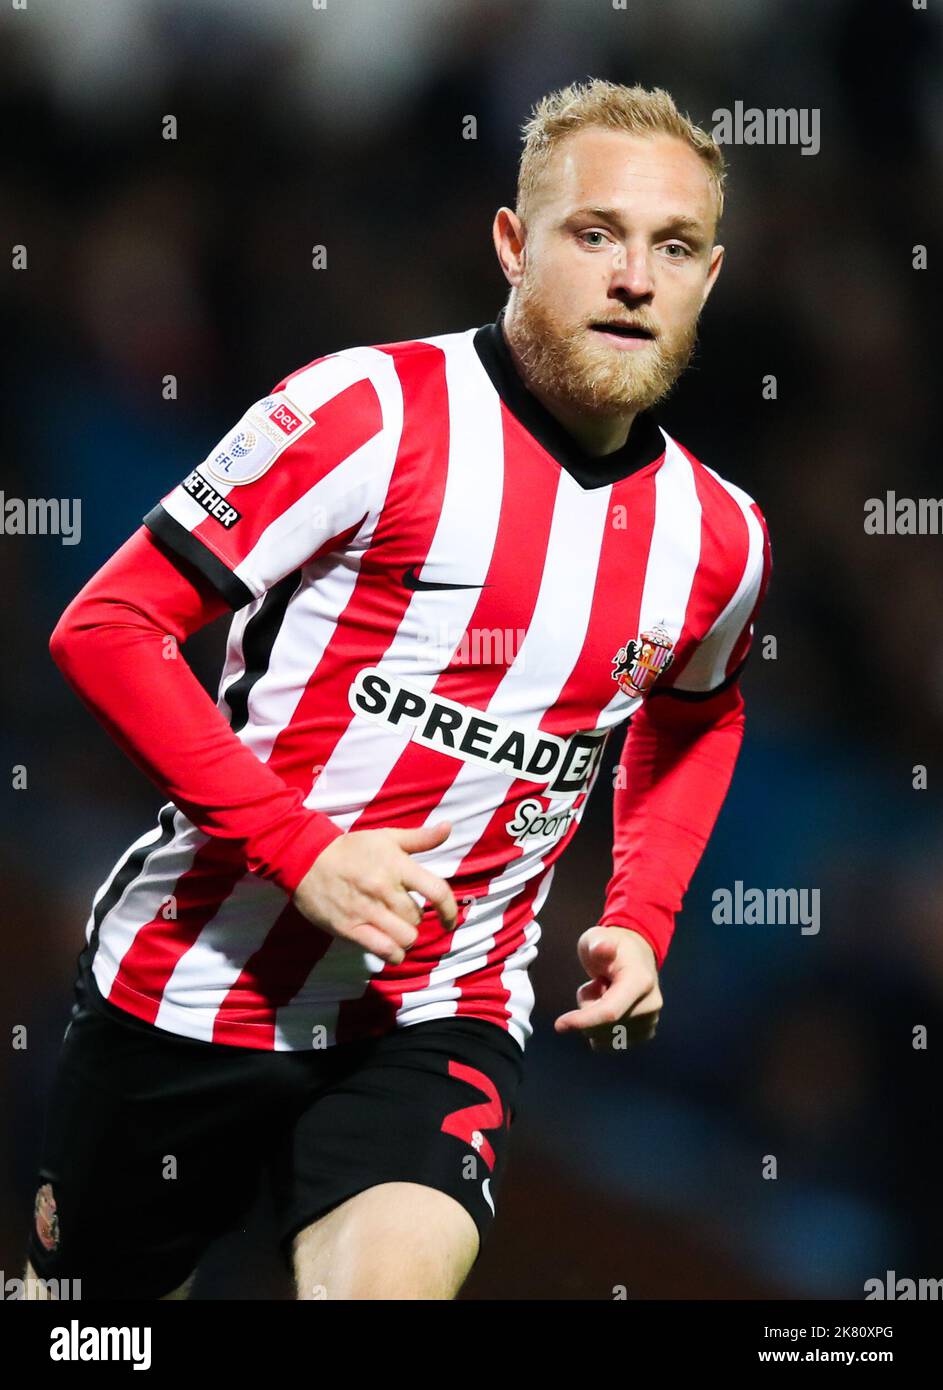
{"x": 357, "y": 888}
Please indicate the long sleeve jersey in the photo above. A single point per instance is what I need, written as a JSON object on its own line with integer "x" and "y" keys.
{"x": 442, "y": 610}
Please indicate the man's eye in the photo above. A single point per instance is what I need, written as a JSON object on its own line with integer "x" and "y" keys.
{"x": 600, "y": 234}
{"x": 683, "y": 251}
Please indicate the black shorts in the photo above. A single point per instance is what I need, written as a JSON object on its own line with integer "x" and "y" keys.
{"x": 156, "y": 1144}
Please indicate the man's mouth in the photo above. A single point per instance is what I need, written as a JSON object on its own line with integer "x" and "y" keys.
{"x": 622, "y": 329}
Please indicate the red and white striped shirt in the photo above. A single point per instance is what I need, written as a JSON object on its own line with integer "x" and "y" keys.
{"x": 443, "y": 607}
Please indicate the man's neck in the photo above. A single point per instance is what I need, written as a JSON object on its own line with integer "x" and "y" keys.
{"x": 596, "y": 437}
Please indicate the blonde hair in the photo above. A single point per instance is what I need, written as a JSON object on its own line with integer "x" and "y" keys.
{"x": 637, "y": 110}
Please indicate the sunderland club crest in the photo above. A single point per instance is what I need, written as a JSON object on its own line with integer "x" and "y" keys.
{"x": 638, "y": 664}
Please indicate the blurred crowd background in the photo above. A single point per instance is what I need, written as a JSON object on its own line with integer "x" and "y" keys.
{"x": 342, "y": 126}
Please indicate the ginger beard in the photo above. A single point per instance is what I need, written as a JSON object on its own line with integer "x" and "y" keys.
{"x": 592, "y": 376}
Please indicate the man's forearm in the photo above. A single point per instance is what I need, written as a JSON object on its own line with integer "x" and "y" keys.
{"x": 111, "y": 645}
{"x": 675, "y": 771}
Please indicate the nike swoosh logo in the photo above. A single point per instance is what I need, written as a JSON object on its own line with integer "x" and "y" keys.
{"x": 412, "y": 581}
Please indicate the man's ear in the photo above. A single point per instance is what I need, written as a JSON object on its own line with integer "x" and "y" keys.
{"x": 717, "y": 260}
{"x": 509, "y": 236}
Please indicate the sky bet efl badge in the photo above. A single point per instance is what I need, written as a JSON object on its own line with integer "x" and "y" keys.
{"x": 251, "y": 448}
{"x": 638, "y": 664}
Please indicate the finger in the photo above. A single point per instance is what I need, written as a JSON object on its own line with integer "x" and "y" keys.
{"x": 392, "y": 925}
{"x": 434, "y": 889}
{"x": 400, "y": 902}
{"x": 593, "y": 989}
{"x": 370, "y": 938}
{"x": 609, "y": 1008}
{"x": 414, "y": 839}
{"x": 623, "y": 980}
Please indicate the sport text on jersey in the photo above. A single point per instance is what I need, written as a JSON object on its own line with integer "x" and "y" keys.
{"x": 564, "y": 765}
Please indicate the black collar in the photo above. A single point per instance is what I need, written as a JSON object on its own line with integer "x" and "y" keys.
{"x": 644, "y": 445}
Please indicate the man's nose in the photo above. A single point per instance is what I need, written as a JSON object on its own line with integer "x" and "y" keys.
{"x": 632, "y": 271}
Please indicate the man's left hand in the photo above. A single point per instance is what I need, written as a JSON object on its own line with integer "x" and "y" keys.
{"x": 620, "y": 1003}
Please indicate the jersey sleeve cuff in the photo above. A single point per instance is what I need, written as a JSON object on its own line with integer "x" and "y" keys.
{"x": 183, "y": 543}
{"x": 296, "y": 857}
